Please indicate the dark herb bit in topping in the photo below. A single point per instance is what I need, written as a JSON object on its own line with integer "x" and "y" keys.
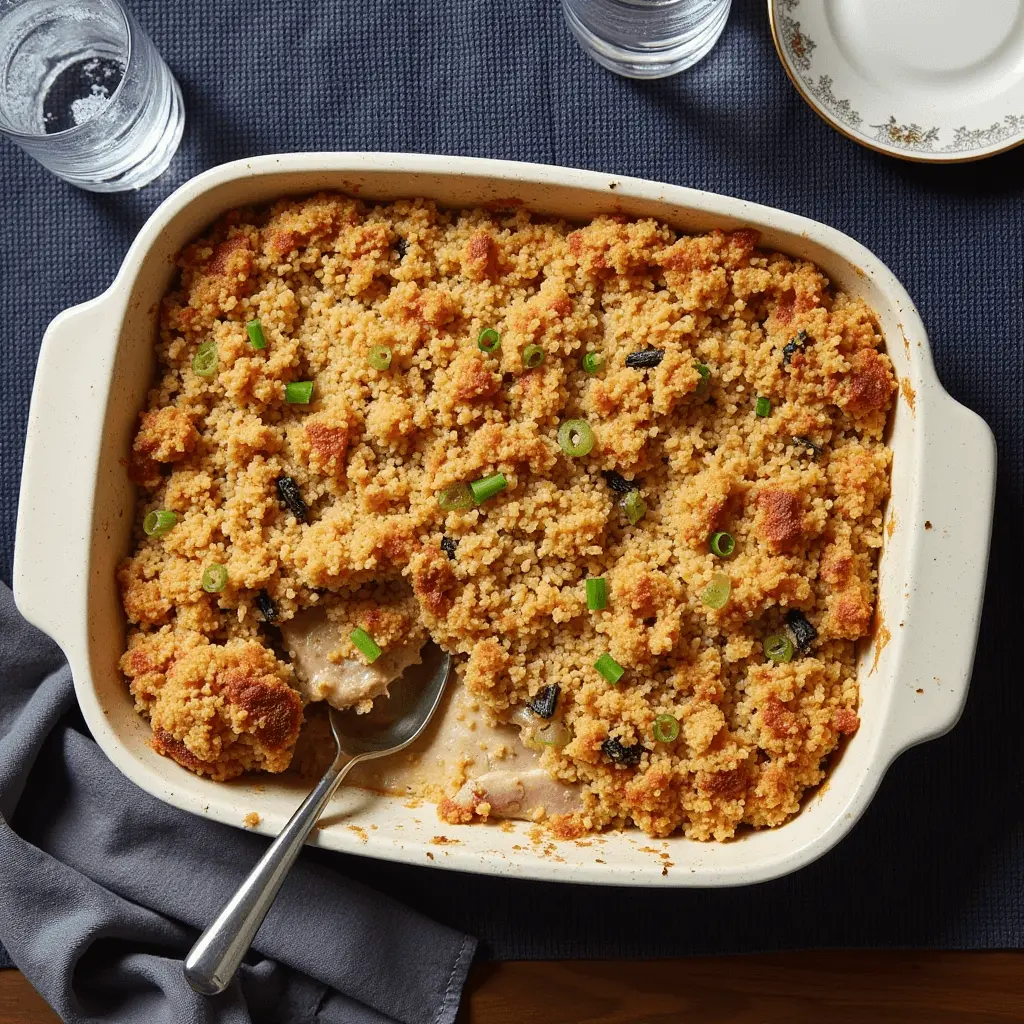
{"x": 618, "y": 483}
{"x": 803, "y": 632}
{"x": 806, "y": 442}
{"x": 794, "y": 345}
{"x": 401, "y": 247}
{"x": 645, "y": 359}
{"x": 288, "y": 492}
{"x": 620, "y": 753}
{"x": 544, "y": 702}
{"x": 266, "y": 605}
{"x": 448, "y": 546}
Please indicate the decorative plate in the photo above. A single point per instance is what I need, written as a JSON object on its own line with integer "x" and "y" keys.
{"x": 931, "y": 80}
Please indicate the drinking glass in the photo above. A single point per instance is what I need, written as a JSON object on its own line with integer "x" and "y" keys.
{"x": 84, "y": 92}
{"x": 646, "y": 38}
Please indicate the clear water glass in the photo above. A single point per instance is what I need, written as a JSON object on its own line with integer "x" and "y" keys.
{"x": 646, "y": 38}
{"x": 84, "y": 92}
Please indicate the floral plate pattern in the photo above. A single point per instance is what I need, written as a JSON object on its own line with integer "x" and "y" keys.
{"x": 932, "y": 92}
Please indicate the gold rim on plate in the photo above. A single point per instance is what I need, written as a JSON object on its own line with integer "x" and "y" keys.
{"x": 822, "y": 112}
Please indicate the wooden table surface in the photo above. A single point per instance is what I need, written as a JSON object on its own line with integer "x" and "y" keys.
{"x": 789, "y": 988}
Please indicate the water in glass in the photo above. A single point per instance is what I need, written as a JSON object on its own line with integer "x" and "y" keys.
{"x": 646, "y": 38}
{"x": 84, "y": 91}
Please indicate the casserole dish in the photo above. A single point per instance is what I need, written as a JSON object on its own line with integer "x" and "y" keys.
{"x": 98, "y": 358}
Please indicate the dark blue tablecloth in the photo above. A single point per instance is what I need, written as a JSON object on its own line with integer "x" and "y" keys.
{"x": 939, "y": 858}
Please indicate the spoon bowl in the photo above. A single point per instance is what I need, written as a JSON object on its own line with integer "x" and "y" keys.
{"x": 392, "y": 724}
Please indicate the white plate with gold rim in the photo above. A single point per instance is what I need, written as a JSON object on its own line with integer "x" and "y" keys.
{"x": 940, "y": 81}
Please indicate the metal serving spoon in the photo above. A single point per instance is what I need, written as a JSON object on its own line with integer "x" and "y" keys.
{"x": 392, "y": 725}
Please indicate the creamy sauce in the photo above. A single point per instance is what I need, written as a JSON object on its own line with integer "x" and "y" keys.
{"x": 460, "y": 752}
{"x": 312, "y": 638}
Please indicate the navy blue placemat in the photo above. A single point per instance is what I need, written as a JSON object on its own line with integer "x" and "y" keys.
{"x": 939, "y": 858}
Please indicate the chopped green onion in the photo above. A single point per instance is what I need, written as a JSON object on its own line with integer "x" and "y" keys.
{"x": 597, "y": 594}
{"x": 576, "y": 438}
{"x": 723, "y": 544}
{"x": 533, "y": 356}
{"x": 299, "y": 392}
{"x": 215, "y": 578}
{"x": 716, "y": 593}
{"x": 666, "y": 728}
{"x": 488, "y": 487}
{"x": 158, "y": 522}
{"x": 489, "y": 340}
{"x": 379, "y": 357}
{"x": 634, "y": 506}
{"x": 779, "y": 648}
{"x": 609, "y": 668}
{"x": 454, "y": 498}
{"x": 705, "y": 377}
{"x": 553, "y": 734}
{"x": 593, "y": 362}
{"x": 366, "y": 644}
{"x": 255, "y": 329}
{"x": 204, "y": 362}
{"x": 763, "y": 406}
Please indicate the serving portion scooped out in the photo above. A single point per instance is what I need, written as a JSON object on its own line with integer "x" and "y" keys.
{"x": 632, "y": 480}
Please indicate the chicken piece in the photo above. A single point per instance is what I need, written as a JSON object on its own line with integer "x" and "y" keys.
{"x": 311, "y": 638}
{"x": 519, "y": 794}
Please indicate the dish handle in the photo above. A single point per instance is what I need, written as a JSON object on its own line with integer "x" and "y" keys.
{"x": 945, "y": 586}
{"x": 65, "y": 427}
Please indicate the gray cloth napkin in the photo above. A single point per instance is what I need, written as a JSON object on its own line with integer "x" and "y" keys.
{"x": 118, "y": 884}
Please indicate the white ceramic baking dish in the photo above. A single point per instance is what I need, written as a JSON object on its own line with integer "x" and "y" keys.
{"x": 76, "y": 508}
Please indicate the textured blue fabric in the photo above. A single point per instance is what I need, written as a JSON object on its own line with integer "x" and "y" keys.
{"x": 939, "y": 858}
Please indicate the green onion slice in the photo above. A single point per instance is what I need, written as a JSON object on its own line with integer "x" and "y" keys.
{"x": 366, "y": 644}
{"x": 488, "y": 487}
{"x": 299, "y": 392}
{"x": 215, "y": 578}
{"x": 533, "y": 356}
{"x": 609, "y": 668}
{"x": 553, "y": 734}
{"x": 593, "y": 362}
{"x": 723, "y": 544}
{"x": 716, "y": 593}
{"x": 158, "y": 522}
{"x": 666, "y": 728}
{"x": 455, "y": 498}
{"x": 597, "y": 594}
{"x": 204, "y": 362}
{"x": 576, "y": 438}
{"x": 705, "y": 377}
{"x": 779, "y": 648}
{"x": 634, "y": 506}
{"x": 763, "y": 406}
{"x": 255, "y": 331}
{"x": 488, "y": 340}
{"x": 379, "y": 357}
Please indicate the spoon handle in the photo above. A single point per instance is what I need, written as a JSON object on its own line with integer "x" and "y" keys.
{"x": 213, "y": 960}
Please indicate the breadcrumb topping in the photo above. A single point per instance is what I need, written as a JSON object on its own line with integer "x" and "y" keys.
{"x": 800, "y": 490}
